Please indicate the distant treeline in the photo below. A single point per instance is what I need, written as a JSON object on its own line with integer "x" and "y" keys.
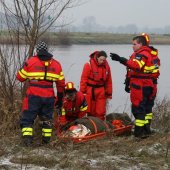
{"x": 69, "y": 38}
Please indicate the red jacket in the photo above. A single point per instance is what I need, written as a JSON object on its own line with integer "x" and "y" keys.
{"x": 41, "y": 75}
{"x": 97, "y": 75}
{"x": 144, "y": 64}
{"x": 74, "y": 109}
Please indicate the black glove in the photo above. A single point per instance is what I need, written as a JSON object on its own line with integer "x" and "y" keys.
{"x": 59, "y": 102}
{"x": 127, "y": 87}
{"x": 116, "y": 57}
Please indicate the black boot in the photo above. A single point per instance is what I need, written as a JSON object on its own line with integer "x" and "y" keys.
{"x": 27, "y": 141}
{"x": 147, "y": 130}
{"x": 139, "y": 132}
{"x": 45, "y": 140}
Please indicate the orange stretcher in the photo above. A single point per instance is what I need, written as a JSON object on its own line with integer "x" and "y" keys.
{"x": 118, "y": 131}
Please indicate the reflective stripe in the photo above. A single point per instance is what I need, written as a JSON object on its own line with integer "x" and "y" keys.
{"x": 40, "y": 75}
{"x": 22, "y": 75}
{"x": 154, "y": 52}
{"x": 83, "y": 108}
{"x": 46, "y": 63}
{"x": 27, "y": 131}
{"x": 46, "y": 132}
{"x": 149, "y": 116}
{"x": 63, "y": 112}
{"x": 140, "y": 123}
{"x": 151, "y": 71}
{"x": 140, "y": 63}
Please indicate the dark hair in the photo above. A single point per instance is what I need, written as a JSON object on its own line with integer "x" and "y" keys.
{"x": 102, "y": 53}
{"x": 140, "y": 39}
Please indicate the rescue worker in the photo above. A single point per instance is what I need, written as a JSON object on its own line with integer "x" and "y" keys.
{"x": 40, "y": 71}
{"x": 74, "y": 105}
{"x": 96, "y": 84}
{"x": 141, "y": 82}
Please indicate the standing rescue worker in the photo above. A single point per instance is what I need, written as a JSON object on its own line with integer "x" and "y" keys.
{"x": 74, "y": 105}
{"x": 141, "y": 82}
{"x": 96, "y": 84}
{"x": 41, "y": 71}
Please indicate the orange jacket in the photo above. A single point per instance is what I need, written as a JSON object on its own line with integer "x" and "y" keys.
{"x": 96, "y": 75}
{"x": 41, "y": 75}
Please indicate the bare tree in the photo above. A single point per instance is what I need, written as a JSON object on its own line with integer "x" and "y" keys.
{"x": 30, "y": 19}
{"x": 27, "y": 21}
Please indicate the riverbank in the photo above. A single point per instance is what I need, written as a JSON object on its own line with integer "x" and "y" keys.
{"x": 69, "y": 38}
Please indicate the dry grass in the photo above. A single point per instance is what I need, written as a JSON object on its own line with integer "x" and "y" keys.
{"x": 110, "y": 152}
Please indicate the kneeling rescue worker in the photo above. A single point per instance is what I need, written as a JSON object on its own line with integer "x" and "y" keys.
{"x": 74, "y": 106}
{"x": 141, "y": 82}
{"x": 41, "y": 71}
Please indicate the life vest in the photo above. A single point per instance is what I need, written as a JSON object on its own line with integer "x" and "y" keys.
{"x": 99, "y": 73}
{"x": 144, "y": 63}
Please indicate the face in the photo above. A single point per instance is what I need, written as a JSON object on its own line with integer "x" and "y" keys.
{"x": 136, "y": 46}
{"x": 101, "y": 60}
{"x": 71, "y": 96}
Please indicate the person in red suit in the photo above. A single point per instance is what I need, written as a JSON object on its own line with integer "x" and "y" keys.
{"x": 74, "y": 105}
{"x": 40, "y": 71}
{"x": 141, "y": 82}
{"x": 96, "y": 84}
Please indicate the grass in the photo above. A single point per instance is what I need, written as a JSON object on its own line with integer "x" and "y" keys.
{"x": 69, "y": 38}
{"x": 111, "y": 152}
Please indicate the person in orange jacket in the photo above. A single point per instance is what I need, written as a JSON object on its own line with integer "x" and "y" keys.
{"x": 40, "y": 71}
{"x": 74, "y": 106}
{"x": 96, "y": 84}
{"x": 141, "y": 82}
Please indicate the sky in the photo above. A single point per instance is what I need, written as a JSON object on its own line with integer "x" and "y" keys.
{"x": 142, "y": 13}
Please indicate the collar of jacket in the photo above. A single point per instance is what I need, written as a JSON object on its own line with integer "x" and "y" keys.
{"x": 44, "y": 55}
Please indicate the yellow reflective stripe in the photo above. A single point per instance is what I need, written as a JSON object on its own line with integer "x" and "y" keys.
{"x": 63, "y": 112}
{"x": 83, "y": 108}
{"x": 61, "y": 73}
{"x": 46, "y": 130}
{"x": 46, "y": 134}
{"x": 139, "y": 122}
{"x": 46, "y": 63}
{"x": 151, "y": 71}
{"x": 154, "y": 52}
{"x": 61, "y": 78}
{"x": 27, "y": 131}
{"x": 149, "y": 116}
{"x": 57, "y": 76}
{"x": 140, "y": 63}
{"x": 24, "y": 72}
{"x": 146, "y": 121}
{"x": 22, "y": 75}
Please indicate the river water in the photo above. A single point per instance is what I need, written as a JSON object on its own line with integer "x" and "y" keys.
{"x": 73, "y": 58}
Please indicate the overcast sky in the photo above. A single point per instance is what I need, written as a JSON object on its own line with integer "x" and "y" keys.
{"x": 142, "y": 13}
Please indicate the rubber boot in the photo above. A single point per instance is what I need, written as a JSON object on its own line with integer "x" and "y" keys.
{"x": 147, "y": 130}
{"x": 27, "y": 141}
{"x": 139, "y": 132}
{"x": 45, "y": 140}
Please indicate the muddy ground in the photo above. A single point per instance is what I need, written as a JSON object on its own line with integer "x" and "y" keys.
{"x": 108, "y": 153}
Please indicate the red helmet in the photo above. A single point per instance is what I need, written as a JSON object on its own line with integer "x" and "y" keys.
{"x": 146, "y": 37}
{"x": 70, "y": 86}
